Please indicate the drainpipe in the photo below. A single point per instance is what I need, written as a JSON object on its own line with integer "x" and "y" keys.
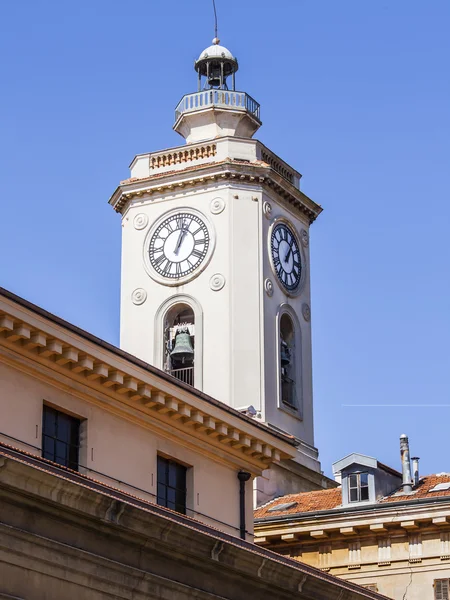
{"x": 415, "y": 462}
{"x": 243, "y": 477}
{"x": 406, "y": 464}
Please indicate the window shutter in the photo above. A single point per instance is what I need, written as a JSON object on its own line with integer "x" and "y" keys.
{"x": 441, "y": 589}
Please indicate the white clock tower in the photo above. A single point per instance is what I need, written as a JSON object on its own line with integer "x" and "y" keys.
{"x": 215, "y": 265}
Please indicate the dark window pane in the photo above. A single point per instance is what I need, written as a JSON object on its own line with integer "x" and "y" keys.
{"x": 171, "y": 488}
{"x": 63, "y": 427}
{"x": 162, "y": 467}
{"x": 364, "y": 493}
{"x": 60, "y": 437}
{"x": 48, "y": 447}
{"x": 353, "y": 481}
{"x": 49, "y": 421}
{"x": 61, "y": 450}
{"x": 364, "y": 479}
{"x": 353, "y": 495}
{"x": 171, "y": 496}
{"x": 173, "y": 473}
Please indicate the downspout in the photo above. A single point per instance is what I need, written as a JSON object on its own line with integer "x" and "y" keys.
{"x": 243, "y": 477}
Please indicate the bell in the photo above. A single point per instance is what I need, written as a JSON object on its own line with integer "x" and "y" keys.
{"x": 285, "y": 354}
{"x": 214, "y": 79}
{"x": 183, "y": 352}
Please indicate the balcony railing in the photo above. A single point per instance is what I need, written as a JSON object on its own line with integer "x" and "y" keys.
{"x": 221, "y": 98}
{"x": 185, "y": 375}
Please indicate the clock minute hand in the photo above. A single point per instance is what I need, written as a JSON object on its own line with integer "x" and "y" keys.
{"x": 288, "y": 254}
{"x": 183, "y": 232}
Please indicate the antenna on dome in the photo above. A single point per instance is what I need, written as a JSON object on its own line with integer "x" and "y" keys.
{"x": 216, "y": 39}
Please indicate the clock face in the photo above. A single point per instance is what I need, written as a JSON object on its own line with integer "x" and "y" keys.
{"x": 179, "y": 245}
{"x": 285, "y": 255}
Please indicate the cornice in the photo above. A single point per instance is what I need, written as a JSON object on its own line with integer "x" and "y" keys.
{"x": 218, "y": 172}
{"x": 55, "y": 349}
{"x": 342, "y": 524}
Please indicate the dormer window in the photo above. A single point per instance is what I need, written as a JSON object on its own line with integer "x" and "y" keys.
{"x": 358, "y": 487}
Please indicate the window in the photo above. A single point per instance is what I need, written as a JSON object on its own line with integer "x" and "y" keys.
{"x": 171, "y": 482}
{"x": 358, "y": 487}
{"x": 179, "y": 343}
{"x": 441, "y": 589}
{"x": 287, "y": 361}
{"x": 60, "y": 438}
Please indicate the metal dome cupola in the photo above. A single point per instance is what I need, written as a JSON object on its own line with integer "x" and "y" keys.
{"x": 216, "y": 64}
{"x": 216, "y": 109}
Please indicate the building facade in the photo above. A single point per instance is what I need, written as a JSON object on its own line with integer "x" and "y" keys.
{"x": 381, "y": 529}
{"x": 216, "y": 266}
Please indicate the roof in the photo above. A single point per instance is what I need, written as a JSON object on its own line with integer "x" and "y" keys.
{"x": 323, "y": 500}
{"x": 216, "y": 51}
{"x": 304, "y": 502}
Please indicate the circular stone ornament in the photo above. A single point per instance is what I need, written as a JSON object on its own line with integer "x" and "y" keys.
{"x": 217, "y": 206}
{"x": 306, "y": 312}
{"x": 305, "y": 238}
{"x": 217, "y": 282}
{"x": 267, "y": 210}
{"x": 140, "y": 221}
{"x": 268, "y": 286}
{"x": 139, "y": 296}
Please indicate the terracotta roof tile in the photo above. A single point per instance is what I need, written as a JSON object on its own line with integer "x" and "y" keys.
{"x": 423, "y": 489}
{"x": 305, "y": 502}
{"x": 328, "y": 499}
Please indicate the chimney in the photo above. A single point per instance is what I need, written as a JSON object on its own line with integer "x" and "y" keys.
{"x": 406, "y": 464}
{"x": 415, "y": 462}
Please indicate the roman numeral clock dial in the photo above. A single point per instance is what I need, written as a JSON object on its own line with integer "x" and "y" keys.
{"x": 178, "y": 246}
{"x": 285, "y": 256}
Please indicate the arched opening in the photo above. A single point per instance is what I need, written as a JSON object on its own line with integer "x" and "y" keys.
{"x": 287, "y": 361}
{"x": 179, "y": 342}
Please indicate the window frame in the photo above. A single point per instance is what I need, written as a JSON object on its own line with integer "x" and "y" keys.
{"x": 444, "y": 593}
{"x": 73, "y": 427}
{"x": 180, "y": 470}
{"x": 359, "y": 487}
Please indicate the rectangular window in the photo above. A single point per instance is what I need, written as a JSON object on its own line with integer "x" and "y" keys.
{"x": 358, "y": 487}
{"x": 441, "y": 589}
{"x": 171, "y": 480}
{"x": 60, "y": 438}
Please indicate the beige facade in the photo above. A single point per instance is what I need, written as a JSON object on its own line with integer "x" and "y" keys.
{"x": 398, "y": 545}
{"x": 64, "y": 536}
{"x": 129, "y": 415}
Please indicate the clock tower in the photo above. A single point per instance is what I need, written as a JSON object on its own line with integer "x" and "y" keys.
{"x": 215, "y": 265}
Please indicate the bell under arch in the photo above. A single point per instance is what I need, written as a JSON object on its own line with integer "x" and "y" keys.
{"x": 179, "y": 339}
{"x": 290, "y": 394}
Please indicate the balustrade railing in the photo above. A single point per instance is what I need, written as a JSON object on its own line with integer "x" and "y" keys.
{"x": 185, "y": 375}
{"x": 224, "y": 98}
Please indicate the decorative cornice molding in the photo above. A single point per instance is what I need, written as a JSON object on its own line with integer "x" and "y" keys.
{"x": 100, "y": 370}
{"x": 225, "y": 171}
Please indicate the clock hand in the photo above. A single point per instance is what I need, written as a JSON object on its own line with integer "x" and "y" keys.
{"x": 183, "y": 232}
{"x": 288, "y": 254}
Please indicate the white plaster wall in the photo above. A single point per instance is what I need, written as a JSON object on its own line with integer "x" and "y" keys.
{"x": 239, "y": 322}
{"x": 274, "y": 412}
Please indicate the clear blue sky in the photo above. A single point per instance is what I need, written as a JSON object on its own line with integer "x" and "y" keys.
{"x": 355, "y": 94}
